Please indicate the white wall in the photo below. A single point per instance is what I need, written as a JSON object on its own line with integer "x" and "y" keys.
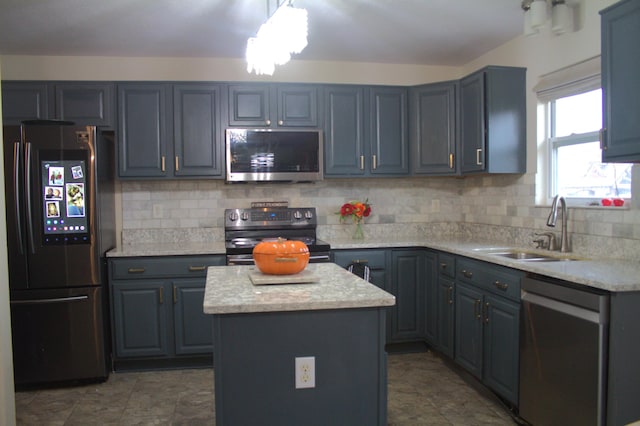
{"x": 7, "y": 396}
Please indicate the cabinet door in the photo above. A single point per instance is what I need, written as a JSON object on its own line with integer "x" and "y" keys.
{"x": 407, "y": 285}
{"x": 142, "y": 130}
{"x": 621, "y": 82}
{"x": 472, "y": 124}
{"x": 140, "y": 318}
{"x": 501, "y": 350}
{"x": 297, "y": 106}
{"x": 433, "y": 129}
{"x": 249, "y": 105}
{"x": 445, "y": 313}
{"x": 344, "y": 153}
{"x": 198, "y": 139}
{"x": 193, "y": 328}
{"x": 375, "y": 259}
{"x": 468, "y": 335}
{"x": 431, "y": 299}
{"x": 388, "y": 131}
{"x": 85, "y": 103}
{"x": 25, "y": 101}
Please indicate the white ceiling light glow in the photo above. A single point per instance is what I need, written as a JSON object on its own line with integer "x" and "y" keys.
{"x": 284, "y": 34}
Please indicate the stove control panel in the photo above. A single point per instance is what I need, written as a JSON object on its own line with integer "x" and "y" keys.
{"x": 239, "y": 218}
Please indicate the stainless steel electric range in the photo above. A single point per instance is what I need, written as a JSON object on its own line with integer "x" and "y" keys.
{"x": 245, "y": 228}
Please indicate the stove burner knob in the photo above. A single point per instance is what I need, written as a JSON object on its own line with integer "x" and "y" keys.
{"x": 233, "y": 216}
{"x": 308, "y": 214}
{"x": 244, "y": 216}
{"x": 297, "y": 215}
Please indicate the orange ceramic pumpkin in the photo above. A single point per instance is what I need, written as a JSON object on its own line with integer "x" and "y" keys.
{"x": 281, "y": 257}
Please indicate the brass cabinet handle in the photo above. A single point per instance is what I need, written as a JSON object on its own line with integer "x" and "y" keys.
{"x": 359, "y": 261}
{"x": 451, "y": 161}
{"x": 374, "y": 162}
{"x": 362, "y": 162}
{"x": 175, "y": 295}
{"x": 501, "y": 286}
{"x": 478, "y": 154}
{"x": 486, "y": 314}
{"x": 450, "y": 295}
{"x": 443, "y": 265}
{"x": 177, "y": 164}
{"x": 162, "y": 163}
{"x": 477, "y": 307}
{"x": 467, "y": 274}
{"x": 135, "y": 270}
{"x": 197, "y": 268}
{"x": 603, "y": 145}
{"x": 161, "y": 295}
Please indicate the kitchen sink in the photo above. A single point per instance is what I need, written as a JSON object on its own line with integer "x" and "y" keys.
{"x": 531, "y": 256}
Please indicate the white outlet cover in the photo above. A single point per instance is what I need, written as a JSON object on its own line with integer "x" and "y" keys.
{"x": 305, "y": 372}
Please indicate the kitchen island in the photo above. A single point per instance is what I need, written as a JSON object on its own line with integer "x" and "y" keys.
{"x": 337, "y": 319}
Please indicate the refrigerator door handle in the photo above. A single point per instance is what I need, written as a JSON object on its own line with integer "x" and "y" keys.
{"x": 16, "y": 193}
{"x": 52, "y": 300}
{"x": 27, "y": 187}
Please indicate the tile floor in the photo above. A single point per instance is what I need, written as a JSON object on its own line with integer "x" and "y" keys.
{"x": 422, "y": 390}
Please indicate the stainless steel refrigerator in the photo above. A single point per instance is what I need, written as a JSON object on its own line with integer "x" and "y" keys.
{"x": 59, "y": 181}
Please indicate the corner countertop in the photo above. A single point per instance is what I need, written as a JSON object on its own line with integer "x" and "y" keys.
{"x": 605, "y": 274}
{"x": 229, "y": 290}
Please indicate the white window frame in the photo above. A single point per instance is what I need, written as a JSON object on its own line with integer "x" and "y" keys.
{"x": 573, "y": 80}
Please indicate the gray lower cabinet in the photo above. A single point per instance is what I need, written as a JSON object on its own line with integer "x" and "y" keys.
{"x": 621, "y": 82}
{"x": 156, "y": 309}
{"x": 440, "y": 305}
{"x": 487, "y": 318}
{"x": 84, "y": 103}
{"x": 493, "y": 121}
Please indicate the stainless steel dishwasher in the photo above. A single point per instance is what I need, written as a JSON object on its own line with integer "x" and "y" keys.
{"x": 563, "y": 336}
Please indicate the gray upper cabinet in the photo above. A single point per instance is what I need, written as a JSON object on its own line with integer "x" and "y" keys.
{"x": 25, "y": 101}
{"x": 264, "y": 105}
{"x": 198, "y": 136}
{"x": 143, "y": 122}
{"x": 85, "y": 103}
{"x": 366, "y": 131}
{"x": 433, "y": 128}
{"x": 493, "y": 121}
{"x": 168, "y": 131}
{"x": 388, "y": 131}
{"x": 621, "y": 82}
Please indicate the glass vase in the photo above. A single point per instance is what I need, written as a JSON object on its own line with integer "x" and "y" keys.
{"x": 358, "y": 234}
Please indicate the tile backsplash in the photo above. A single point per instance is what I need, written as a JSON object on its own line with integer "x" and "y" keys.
{"x": 495, "y": 207}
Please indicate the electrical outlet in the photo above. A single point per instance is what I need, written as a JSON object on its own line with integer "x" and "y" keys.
{"x": 157, "y": 211}
{"x": 305, "y": 372}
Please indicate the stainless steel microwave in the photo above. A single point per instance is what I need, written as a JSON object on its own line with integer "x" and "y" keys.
{"x": 263, "y": 155}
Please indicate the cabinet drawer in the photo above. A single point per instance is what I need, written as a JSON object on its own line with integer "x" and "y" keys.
{"x": 376, "y": 259}
{"x": 447, "y": 265}
{"x": 165, "y": 266}
{"x": 493, "y": 278}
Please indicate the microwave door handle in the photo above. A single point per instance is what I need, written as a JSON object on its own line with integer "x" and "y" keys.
{"x": 27, "y": 187}
{"x": 16, "y": 195}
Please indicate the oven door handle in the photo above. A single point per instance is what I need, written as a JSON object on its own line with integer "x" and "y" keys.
{"x": 320, "y": 258}
{"x": 240, "y": 261}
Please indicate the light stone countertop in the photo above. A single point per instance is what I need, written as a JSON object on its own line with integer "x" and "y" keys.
{"x": 606, "y": 274}
{"x": 230, "y": 290}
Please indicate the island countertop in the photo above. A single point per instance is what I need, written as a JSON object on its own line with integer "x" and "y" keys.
{"x": 229, "y": 290}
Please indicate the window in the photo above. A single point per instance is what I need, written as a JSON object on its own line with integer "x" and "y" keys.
{"x": 569, "y": 123}
{"x": 576, "y": 168}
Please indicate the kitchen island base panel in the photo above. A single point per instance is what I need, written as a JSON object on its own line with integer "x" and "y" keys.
{"x": 254, "y": 361}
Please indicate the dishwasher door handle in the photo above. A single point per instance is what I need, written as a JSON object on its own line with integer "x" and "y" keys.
{"x": 565, "y": 308}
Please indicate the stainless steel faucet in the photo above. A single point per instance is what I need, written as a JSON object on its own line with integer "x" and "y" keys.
{"x": 553, "y": 217}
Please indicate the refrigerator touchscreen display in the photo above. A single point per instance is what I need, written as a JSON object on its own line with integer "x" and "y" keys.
{"x": 64, "y": 201}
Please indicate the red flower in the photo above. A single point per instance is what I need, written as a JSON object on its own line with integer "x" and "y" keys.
{"x": 356, "y": 209}
{"x": 346, "y": 209}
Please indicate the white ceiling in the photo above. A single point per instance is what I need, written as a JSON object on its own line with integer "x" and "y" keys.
{"x": 429, "y": 32}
